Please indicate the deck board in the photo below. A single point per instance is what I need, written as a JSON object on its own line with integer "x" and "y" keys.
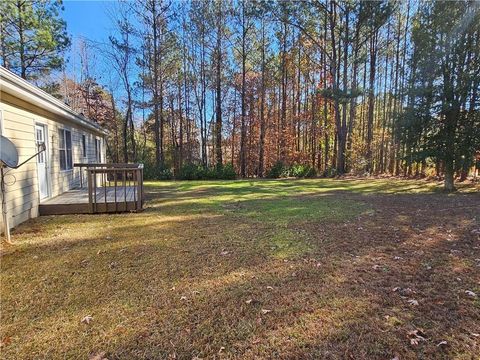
{"x": 76, "y": 201}
{"x": 80, "y": 196}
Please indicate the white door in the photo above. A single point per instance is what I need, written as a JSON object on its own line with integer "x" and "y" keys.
{"x": 41, "y": 137}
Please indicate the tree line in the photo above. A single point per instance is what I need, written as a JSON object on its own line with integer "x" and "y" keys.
{"x": 335, "y": 87}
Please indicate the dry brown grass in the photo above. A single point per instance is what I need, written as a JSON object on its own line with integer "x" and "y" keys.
{"x": 323, "y": 255}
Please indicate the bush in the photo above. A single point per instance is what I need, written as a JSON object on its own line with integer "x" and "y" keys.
{"x": 228, "y": 172}
{"x": 210, "y": 173}
{"x": 276, "y": 171}
{"x": 302, "y": 171}
{"x": 152, "y": 172}
{"x": 191, "y": 171}
{"x": 279, "y": 170}
{"x": 165, "y": 174}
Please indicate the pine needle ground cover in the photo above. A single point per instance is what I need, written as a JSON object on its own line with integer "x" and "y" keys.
{"x": 304, "y": 269}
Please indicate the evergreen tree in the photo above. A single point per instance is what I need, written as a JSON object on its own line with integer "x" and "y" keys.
{"x": 33, "y": 37}
{"x": 441, "y": 119}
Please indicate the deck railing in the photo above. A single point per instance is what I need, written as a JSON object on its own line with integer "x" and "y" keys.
{"x": 113, "y": 187}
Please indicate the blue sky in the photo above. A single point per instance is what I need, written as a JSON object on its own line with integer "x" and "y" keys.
{"x": 87, "y": 19}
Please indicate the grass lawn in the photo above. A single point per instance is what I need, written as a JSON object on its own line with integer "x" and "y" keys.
{"x": 290, "y": 269}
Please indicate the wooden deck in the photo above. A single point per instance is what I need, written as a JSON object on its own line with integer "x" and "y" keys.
{"x": 106, "y": 188}
{"x": 107, "y": 199}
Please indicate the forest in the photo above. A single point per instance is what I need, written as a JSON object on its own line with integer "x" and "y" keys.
{"x": 225, "y": 89}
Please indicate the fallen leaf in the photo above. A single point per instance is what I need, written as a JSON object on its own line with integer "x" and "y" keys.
{"x": 470, "y": 293}
{"x": 249, "y": 301}
{"x": 221, "y": 349}
{"x": 87, "y": 319}
{"x": 416, "y": 336}
{"x": 406, "y": 291}
{"x": 442, "y": 343}
{"x": 266, "y": 311}
{"x": 5, "y": 341}
{"x": 269, "y": 288}
{"x": 183, "y": 298}
{"x": 224, "y": 252}
{"x": 413, "y": 302}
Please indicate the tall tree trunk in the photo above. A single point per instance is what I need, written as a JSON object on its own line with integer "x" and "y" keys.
{"x": 261, "y": 164}
{"x": 243, "y": 129}
{"x": 283, "y": 113}
{"x": 218, "y": 127}
{"x": 371, "y": 99}
{"x": 155, "y": 79}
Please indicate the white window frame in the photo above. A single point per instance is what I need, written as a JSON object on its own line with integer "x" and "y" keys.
{"x": 62, "y": 132}
{"x": 84, "y": 146}
{"x": 98, "y": 150}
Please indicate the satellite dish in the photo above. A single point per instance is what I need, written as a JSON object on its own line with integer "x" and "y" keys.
{"x": 8, "y": 153}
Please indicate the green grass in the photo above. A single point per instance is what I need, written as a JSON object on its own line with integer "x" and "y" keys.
{"x": 174, "y": 280}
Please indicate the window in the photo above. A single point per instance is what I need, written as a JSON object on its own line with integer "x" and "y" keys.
{"x": 84, "y": 146}
{"x": 65, "y": 149}
{"x": 98, "y": 150}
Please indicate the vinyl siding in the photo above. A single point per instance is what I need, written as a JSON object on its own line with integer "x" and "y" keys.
{"x": 22, "y": 193}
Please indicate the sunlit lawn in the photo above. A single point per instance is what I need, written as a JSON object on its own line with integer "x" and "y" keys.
{"x": 297, "y": 269}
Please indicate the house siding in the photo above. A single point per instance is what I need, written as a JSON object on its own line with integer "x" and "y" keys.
{"x": 18, "y": 125}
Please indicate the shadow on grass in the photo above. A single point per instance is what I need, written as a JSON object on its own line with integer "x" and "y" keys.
{"x": 326, "y": 301}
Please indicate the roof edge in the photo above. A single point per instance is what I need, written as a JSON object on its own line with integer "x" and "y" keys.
{"x": 16, "y": 86}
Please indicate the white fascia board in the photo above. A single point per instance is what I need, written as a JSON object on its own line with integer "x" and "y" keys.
{"x": 18, "y": 87}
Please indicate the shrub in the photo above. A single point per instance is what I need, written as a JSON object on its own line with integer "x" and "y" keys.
{"x": 165, "y": 174}
{"x": 276, "y": 171}
{"x": 302, "y": 171}
{"x": 228, "y": 172}
{"x": 210, "y": 173}
{"x": 190, "y": 171}
{"x": 152, "y": 172}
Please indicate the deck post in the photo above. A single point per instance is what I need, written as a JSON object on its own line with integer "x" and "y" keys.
{"x": 115, "y": 189}
{"x": 90, "y": 188}
{"x": 138, "y": 175}
{"x": 141, "y": 185}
